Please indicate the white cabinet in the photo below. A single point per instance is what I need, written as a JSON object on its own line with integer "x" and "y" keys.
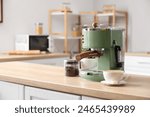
{"x": 11, "y": 91}
{"x": 32, "y": 93}
{"x": 51, "y": 61}
{"x": 138, "y": 64}
{"x": 90, "y": 98}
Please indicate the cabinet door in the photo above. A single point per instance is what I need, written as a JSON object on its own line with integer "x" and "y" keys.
{"x": 51, "y": 61}
{"x": 90, "y": 98}
{"x": 10, "y": 91}
{"x": 32, "y": 93}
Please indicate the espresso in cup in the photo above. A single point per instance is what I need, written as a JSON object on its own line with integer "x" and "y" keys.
{"x": 114, "y": 76}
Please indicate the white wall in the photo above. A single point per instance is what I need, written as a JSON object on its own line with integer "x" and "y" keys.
{"x": 139, "y": 21}
{"x": 21, "y": 15}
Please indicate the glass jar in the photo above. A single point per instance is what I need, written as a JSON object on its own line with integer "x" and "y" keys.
{"x": 76, "y": 30}
{"x": 71, "y": 68}
{"x": 39, "y": 28}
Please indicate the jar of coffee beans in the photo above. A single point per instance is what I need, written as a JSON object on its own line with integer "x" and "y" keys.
{"x": 71, "y": 67}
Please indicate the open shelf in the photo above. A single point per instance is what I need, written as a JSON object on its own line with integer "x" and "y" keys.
{"x": 62, "y": 37}
{"x": 118, "y": 14}
{"x": 62, "y": 13}
{"x": 65, "y": 31}
{"x": 112, "y": 14}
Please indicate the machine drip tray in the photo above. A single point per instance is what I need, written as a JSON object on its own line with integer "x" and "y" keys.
{"x": 92, "y": 75}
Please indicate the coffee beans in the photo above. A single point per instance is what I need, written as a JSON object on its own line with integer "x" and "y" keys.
{"x": 71, "y": 68}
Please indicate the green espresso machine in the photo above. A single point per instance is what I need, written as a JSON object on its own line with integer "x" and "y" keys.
{"x": 104, "y": 46}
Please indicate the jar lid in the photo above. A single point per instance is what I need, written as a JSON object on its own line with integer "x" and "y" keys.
{"x": 71, "y": 61}
{"x": 39, "y": 23}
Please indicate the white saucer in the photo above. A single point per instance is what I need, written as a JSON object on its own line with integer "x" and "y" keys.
{"x": 114, "y": 83}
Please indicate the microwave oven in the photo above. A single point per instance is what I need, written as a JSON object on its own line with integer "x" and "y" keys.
{"x": 32, "y": 42}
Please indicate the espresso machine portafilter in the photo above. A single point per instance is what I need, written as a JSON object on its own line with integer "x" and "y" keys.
{"x": 104, "y": 45}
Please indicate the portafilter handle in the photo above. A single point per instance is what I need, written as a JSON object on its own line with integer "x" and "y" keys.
{"x": 88, "y": 54}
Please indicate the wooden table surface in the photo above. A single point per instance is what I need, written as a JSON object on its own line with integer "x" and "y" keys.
{"x": 53, "y": 78}
{"x": 7, "y": 58}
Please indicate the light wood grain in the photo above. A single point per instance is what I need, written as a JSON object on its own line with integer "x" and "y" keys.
{"x": 65, "y": 10}
{"x": 7, "y": 58}
{"x": 145, "y": 54}
{"x": 53, "y": 78}
{"x": 20, "y": 52}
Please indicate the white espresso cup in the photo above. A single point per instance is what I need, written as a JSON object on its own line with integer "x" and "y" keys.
{"x": 86, "y": 64}
{"x": 114, "y": 76}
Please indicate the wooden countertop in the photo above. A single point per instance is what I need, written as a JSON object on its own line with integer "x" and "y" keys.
{"x": 145, "y": 54}
{"x": 7, "y": 58}
{"x": 53, "y": 78}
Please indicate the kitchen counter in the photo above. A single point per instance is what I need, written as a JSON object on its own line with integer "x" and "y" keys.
{"x": 143, "y": 54}
{"x": 53, "y": 78}
{"x": 7, "y": 58}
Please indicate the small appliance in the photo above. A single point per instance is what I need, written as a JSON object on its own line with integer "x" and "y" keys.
{"x": 32, "y": 42}
{"x": 103, "y": 45}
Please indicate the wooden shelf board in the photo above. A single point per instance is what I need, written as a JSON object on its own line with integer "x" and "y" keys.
{"x": 62, "y": 37}
{"x": 57, "y": 34}
{"x": 62, "y": 13}
{"x": 111, "y": 14}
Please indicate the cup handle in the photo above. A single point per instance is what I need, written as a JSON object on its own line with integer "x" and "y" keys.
{"x": 124, "y": 77}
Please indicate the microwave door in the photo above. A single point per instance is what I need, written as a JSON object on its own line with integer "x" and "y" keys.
{"x": 38, "y": 43}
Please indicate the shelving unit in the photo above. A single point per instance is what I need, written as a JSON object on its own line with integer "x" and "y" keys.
{"x": 92, "y": 13}
{"x": 65, "y": 12}
{"x": 110, "y": 12}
